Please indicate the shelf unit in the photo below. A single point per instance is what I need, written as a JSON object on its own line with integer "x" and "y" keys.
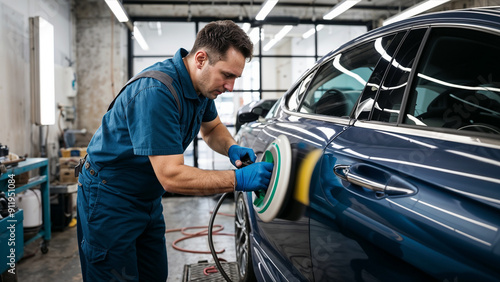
{"x": 43, "y": 180}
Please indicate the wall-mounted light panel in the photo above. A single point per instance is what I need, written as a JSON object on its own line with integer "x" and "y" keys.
{"x": 42, "y": 71}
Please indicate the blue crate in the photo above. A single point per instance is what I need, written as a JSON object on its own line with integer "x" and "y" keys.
{"x": 17, "y": 234}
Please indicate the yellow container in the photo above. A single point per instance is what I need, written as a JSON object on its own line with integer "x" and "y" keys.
{"x": 73, "y": 152}
{"x": 65, "y": 152}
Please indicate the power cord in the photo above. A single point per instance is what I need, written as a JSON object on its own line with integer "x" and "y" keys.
{"x": 245, "y": 161}
{"x": 210, "y": 239}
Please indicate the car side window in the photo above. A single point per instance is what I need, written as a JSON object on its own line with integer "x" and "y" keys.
{"x": 390, "y": 96}
{"x": 458, "y": 82}
{"x": 273, "y": 109}
{"x": 339, "y": 82}
{"x": 387, "y": 47}
{"x": 294, "y": 99}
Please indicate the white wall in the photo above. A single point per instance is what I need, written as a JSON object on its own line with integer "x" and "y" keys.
{"x": 15, "y": 106}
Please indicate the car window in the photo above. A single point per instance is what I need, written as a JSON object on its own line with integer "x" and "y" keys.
{"x": 294, "y": 99}
{"x": 390, "y": 95}
{"x": 273, "y": 109}
{"x": 386, "y": 47}
{"x": 458, "y": 82}
{"x": 339, "y": 82}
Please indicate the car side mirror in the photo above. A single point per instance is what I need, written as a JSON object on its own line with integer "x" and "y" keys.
{"x": 247, "y": 117}
{"x": 253, "y": 115}
{"x": 259, "y": 111}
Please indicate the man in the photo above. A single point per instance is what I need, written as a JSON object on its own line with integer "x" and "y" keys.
{"x": 137, "y": 154}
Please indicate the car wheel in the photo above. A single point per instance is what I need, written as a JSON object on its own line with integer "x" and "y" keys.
{"x": 242, "y": 236}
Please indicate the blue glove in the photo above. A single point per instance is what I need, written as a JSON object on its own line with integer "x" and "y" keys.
{"x": 236, "y": 153}
{"x": 254, "y": 177}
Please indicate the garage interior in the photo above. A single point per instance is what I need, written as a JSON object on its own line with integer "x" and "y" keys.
{"x": 93, "y": 54}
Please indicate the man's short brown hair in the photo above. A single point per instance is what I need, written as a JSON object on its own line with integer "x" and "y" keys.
{"x": 218, "y": 36}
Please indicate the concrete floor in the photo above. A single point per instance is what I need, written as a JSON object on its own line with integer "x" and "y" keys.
{"x": 62, "y": 263}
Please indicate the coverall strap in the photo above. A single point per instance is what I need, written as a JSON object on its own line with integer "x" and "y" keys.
{"x": 158, "y": 75}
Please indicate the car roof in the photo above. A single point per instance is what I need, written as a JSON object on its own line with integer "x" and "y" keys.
{"x": 488, "y": 17}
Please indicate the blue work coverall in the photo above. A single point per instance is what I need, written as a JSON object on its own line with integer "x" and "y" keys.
{"x": 121, "y": 230}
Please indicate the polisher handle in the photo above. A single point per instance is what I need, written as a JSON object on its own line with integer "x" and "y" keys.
{"x": 245, "y": 160}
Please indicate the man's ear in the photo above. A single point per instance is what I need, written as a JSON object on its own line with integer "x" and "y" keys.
{"x": 200, "y": 58}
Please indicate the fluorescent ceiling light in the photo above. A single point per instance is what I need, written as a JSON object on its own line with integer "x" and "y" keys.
{"x": 415, "y": 10}
{"x": 254, "y": 35}
{"x": 158, "y": 27}
{"x": 266, "y": 8}
{"x": 340, "y": 8}
{"x": 310, "y": 32}
{"x": 118, "y": 10}
{"x": 140, "y": 39}
{"x": 246, "y": 27}
{"x": 278, "y": 37}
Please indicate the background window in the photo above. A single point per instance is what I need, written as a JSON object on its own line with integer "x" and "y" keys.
{"x": 332, "y": 37}
{"x": 159, "y": 36}
{"x": 292, "y": 44}
{"x": 281, "y": 73}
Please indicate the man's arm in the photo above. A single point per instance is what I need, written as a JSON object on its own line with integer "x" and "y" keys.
{"x": 216, "y": 135}
{"x": 175, "y": 177}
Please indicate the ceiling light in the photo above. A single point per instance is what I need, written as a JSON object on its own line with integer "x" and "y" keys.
{"x": 158, "y": 26}
{"x": 340, "y": 8}
{"x": 254, "y": 35}
{"x": 140, "y": 40}
{"x": 415, "y": 10}
{"x": 278, "y": 37}
{"x": 310, "y": 32}
{"x": 118, "y": 10}
{"x": 266, "y": 8}
{"x": 246, "y": 27}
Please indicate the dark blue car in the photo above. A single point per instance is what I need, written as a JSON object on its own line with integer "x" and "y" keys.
{"x": 387, "y": 160}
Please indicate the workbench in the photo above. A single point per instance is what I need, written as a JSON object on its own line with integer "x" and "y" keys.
{"x": 8, "y": 185}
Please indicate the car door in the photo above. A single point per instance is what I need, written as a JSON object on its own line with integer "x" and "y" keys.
{"x": 312, "y": 114}
{"x": 411, "y": 191}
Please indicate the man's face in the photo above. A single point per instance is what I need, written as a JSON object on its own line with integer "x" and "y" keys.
{"x": 215, "y": 79}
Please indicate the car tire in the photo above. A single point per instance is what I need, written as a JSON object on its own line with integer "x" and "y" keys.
{"x": 242, "y": 240}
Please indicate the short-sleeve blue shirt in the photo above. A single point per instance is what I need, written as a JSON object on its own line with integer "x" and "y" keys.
{"x": 145, "y": 120}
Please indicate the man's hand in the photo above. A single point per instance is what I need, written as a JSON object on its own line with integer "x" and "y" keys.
{"x": 236, "y": 153}
{"x": 254, "y": 177}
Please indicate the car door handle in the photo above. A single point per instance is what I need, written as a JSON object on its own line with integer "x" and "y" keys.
{"x": 343, "y": 171}
{"x": 380, "y": 181}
